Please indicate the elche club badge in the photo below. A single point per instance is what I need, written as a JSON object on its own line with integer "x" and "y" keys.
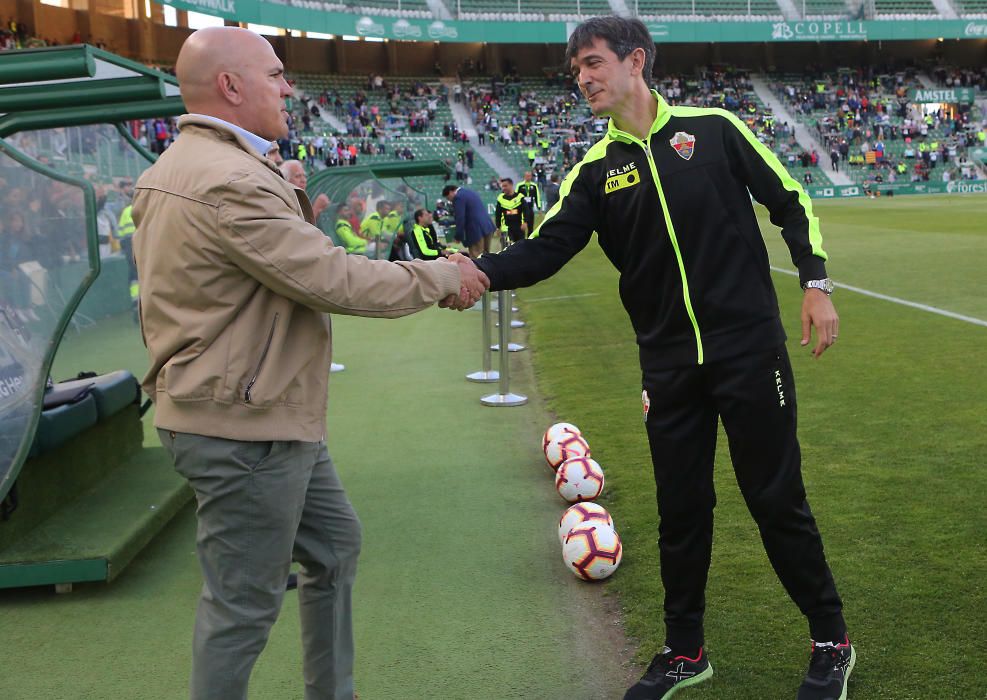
{"x": 684, "y": 144}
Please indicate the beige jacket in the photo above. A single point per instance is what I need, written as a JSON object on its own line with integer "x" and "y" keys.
{"x": 235, "y": 281}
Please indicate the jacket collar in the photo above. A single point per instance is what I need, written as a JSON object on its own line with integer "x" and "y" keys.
{"x": 664, "y": 114}
{"x": 224, "y": 132}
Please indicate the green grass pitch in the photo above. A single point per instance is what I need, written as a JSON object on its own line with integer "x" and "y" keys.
{"x": 892, "y": 426}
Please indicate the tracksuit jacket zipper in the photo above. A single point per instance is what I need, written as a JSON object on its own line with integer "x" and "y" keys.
{"x": 671, "y": 233}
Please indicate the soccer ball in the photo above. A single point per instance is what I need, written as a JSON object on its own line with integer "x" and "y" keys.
{"x": 579, "y": 479}
{"x": 592, "y": 551}
{"x": 565, "y": 447}
{"x": 581, "y": 513}
{"x": 558, "y": 430}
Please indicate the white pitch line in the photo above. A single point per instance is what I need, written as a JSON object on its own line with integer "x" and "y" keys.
{"x": 896, "y": 300}
{"x": 568, "y": 296}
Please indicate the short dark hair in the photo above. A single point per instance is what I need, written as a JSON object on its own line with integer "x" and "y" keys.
{"x": 449, "y": 188}
{"x": 419, "y": 213}
{"x": 507, "y": 179}
{"x": 622, "y": 35}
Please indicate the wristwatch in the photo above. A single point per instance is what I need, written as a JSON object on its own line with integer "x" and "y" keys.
{"x": 824, "y": 285}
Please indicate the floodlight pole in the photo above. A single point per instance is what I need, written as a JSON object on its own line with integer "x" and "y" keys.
{"x": 504, "y": 397}
{"x": 485, "y": 375}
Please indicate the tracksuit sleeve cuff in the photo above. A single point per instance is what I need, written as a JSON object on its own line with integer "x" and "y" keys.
{"x": 811, "y": 267}
{"x": 486, "y": 268}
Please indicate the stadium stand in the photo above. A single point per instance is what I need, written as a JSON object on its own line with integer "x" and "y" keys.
{"x": 875, "y": 134}
{"x": 971, "y": 9}
{"x": 904, "y": 9}
{"x": 390, "y": 8}
{"x": 733, "y": 10}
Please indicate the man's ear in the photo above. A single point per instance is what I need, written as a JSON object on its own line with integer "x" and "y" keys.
{"x": 230, "y": 87}
{"x": 637, "y": 57}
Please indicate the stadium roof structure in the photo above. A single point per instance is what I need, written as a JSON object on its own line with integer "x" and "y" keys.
{"x": 75, "y": 85}
{"x": 337, "y": 183}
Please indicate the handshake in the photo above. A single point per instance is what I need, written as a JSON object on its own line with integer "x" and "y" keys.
{"x": 472, "y": 285}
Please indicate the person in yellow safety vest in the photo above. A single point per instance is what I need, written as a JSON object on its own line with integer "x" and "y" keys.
{"x": 532, "y": 154}
{"x": 373, "y": 223}
{"x": 423, "y": 242}
{"x": 509, "y": 213}
{"x": 532, "y": 199}
{"x": 902, "y": 168}
{"x": 302, "y": 152}
{"x": 393, "y": 224}
{"x": 125, "y": 236}
{"x": 344, "y": 232}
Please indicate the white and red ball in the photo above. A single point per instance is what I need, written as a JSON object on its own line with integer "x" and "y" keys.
{"x": 579, "y": 479}
{"x": 582, "y": 513}
{"x": 592, "y": 551}
{"x": 558, "y": 430}
{"x": 565, "y": 446}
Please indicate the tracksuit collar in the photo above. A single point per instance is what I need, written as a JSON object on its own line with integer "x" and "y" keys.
{"x": 664, "y": 113}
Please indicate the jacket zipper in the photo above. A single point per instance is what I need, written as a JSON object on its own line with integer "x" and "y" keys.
{"x": 675, "y": 247}
{"x": 260, "y": 363}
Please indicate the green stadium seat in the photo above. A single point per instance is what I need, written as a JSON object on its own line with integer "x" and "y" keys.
{"x": 79, "y": 404}
{"x": 60, "y": 424}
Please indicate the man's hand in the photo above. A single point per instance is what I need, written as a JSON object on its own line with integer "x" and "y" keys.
{"x": 818, "y": 311}
{"x": 319, "y": 205}
{"x": 473, "y": 283}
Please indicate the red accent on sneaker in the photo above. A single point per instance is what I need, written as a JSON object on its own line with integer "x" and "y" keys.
{"x": 695, "y": 660}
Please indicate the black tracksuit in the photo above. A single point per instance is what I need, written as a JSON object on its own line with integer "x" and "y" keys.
{"x": 509, "y": 215}
{"x": 532, "y": 201}
{"x": 674, "y": 216}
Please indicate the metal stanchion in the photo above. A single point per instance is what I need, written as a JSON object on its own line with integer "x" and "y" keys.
{"x": 504, "y": 397}
{"x": 504, "y": 310}
{"x": 515, "y": 323}
{"x": 486, "y": 374}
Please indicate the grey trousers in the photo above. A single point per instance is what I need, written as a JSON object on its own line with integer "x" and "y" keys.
{"x": 259, "y": 506}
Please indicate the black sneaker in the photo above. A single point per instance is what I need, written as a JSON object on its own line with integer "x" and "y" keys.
{"x": 829, "y": 670}
{"x": 668, "y": 673}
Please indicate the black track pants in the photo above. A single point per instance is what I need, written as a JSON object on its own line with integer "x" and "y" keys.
{"x": 754, "y": 395}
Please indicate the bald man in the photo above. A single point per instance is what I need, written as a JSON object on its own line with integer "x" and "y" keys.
{"x": 274, "y": 154}
{"x": 236, "y": 283}
{"x": 294, "y": 172}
